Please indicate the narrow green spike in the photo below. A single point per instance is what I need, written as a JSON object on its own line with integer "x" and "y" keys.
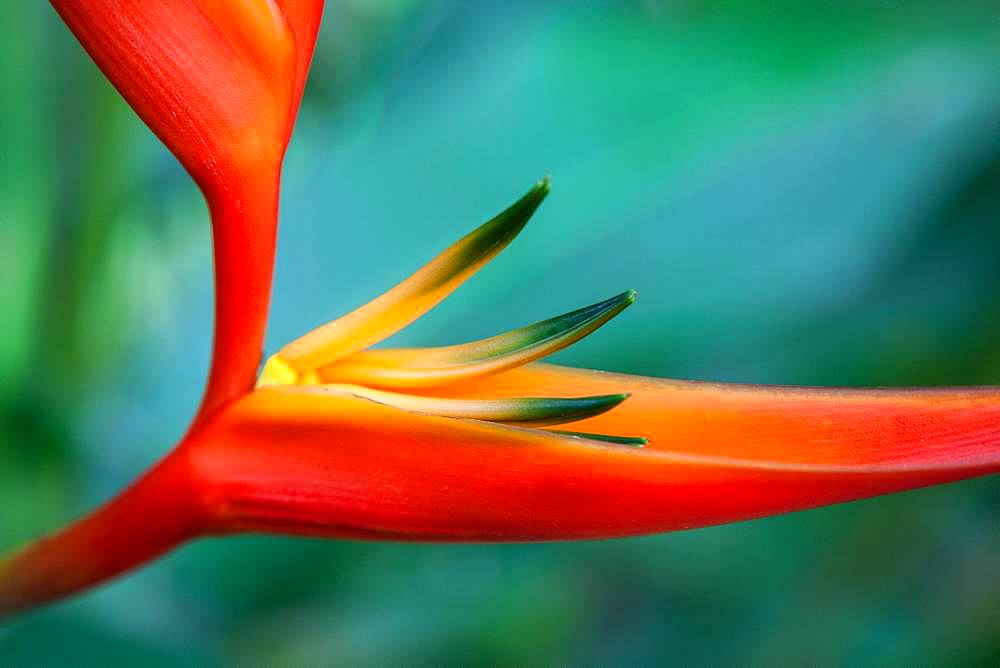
{"x": 633, "y": 441}
{"x": 428, "y": 367}
{"x": 397, "y": 308}
{"x": 533, "y": 411}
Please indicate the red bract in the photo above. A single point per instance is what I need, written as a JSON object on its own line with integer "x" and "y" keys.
{"x": 219, "y": 82}
{"x": 458, "y": 443}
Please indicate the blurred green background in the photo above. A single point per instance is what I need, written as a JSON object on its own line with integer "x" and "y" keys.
{"x": 802, "y": 192}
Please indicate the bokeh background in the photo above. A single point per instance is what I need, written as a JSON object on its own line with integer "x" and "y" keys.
{"x": 802, "y": 192}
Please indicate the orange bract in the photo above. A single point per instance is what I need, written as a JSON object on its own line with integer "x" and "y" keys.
{"x": 335, "y": 465}
{"x": 806, "y": 426}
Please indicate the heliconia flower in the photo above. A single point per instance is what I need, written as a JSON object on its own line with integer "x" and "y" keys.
{"x": 468, "y": 443}
{"x": 481, "y": 442}
{"x": 219, "y": 82}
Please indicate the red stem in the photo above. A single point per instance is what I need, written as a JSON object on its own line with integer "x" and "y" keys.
{"x": 244, "y": 225}
{"x": 157, "y": 513}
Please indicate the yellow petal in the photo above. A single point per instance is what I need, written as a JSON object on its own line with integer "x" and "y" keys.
{"x": 410, "y": 368}
{"x": 400, "y": 306}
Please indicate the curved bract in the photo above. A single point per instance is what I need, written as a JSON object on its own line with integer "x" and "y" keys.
{"x": 341, "y": 466}
{"x": 455, "y": 452}
{"x": 219, "y": 82}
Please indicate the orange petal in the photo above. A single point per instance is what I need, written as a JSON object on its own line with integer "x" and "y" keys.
{"x": 287, "y": 461}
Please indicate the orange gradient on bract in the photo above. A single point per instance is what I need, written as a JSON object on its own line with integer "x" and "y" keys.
{"x": 796, "y": 425}
{"x": 287, "y": 462}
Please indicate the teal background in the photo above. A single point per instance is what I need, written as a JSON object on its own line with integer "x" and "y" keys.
{"x": 801, "y": 192}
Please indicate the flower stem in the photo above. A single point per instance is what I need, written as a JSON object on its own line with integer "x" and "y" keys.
{"x": 156, "y": 514}
{"x": 244, "y": 226}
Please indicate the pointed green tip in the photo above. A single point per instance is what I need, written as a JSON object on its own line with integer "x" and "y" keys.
{"x": 540, "y": 411}
{"x": 538, "y": 192}
{"x": 492, "y": 236}
{"x": 512, "y": 219}
{"x": 615, "y": 305}
{"x": 604, "y": 402}
{"x": 630, "y": 441}
{"x": 601, "y": 403}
